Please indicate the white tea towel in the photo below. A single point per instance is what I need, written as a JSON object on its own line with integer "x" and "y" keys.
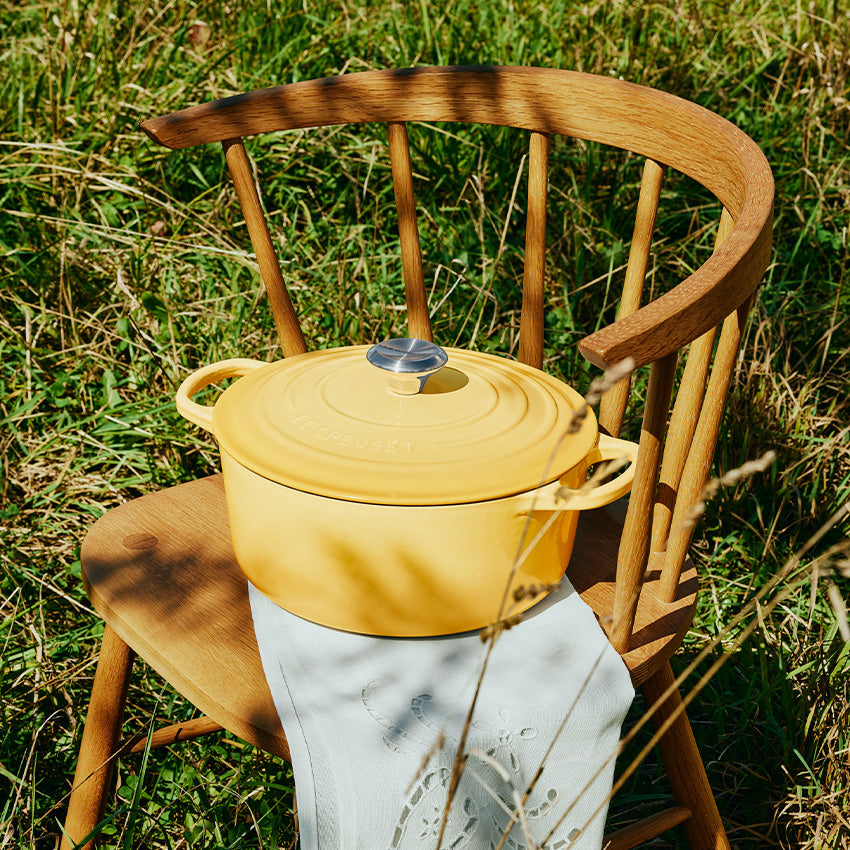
{"x": 361, "y": 713}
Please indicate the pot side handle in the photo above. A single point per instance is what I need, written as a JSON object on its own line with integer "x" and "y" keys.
{"x": 555, "y": 496}
{"x": 202, "y": 414}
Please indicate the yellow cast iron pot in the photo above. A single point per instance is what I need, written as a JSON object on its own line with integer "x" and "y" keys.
{"x": 400, "y": 500}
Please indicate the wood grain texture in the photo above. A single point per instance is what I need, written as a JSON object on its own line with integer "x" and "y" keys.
{"x": 662, "y": 127}
{"x": 101, "y": 734}
{"x": 182, "y": 603}
{"x": 724, "y": 228}
{"x": 532, "y": 316}
{"x": 698, "y": 463}
{"x": 646, "y": 829}
{"x": 418, "y": 319}
{"x": 633, "y": 555}
{"x": 612, "y": 407}
{"x": 568, "y": 103}
{"x": 680, "y": 434}
{"x": 658, "y": 626}
{"x": 683, "y": 765}
{"x": 173, "y": 734}
{"x": 286, "y": 322}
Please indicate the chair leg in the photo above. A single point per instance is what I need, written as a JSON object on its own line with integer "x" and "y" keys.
{"x": 684, "y": 767}
{"x": 101, "y": 735}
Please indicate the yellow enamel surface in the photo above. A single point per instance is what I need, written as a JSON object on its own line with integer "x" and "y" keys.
{"x": 328, "y": 423}
{"x": 389, "y": 569}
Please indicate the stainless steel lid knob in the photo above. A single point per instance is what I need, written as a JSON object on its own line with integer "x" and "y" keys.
{"x": 409, "y": 362}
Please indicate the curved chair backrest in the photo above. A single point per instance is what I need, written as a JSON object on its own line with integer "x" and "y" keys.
{"x": 670, "y": 133}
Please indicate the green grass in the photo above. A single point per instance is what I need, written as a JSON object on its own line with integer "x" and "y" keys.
{"x": 124, "y": 265}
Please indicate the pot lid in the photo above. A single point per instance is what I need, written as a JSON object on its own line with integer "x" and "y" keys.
{"x": 332, "y": 423}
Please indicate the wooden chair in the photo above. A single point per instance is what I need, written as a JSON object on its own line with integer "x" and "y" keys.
{"x": 155, "y": 567}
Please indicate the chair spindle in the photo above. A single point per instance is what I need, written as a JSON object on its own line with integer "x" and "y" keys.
{"x": 286, "y": 322}
{"x": 700, "y": 456}
{"x": 633, "y": 554}
{"x": 612, "y": 407}
{"x": 418, "y": 320}
{"x": 531, "y": 323}
{"x": 683, "y": 421}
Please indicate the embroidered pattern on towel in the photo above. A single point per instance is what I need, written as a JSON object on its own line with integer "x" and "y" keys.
{"x": 422, "y": 812}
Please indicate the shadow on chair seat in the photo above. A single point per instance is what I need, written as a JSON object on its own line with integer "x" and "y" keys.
{"x": 161, "y": 572}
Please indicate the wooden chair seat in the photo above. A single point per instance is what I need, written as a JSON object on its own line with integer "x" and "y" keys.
{"x": 161, "y": 572}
